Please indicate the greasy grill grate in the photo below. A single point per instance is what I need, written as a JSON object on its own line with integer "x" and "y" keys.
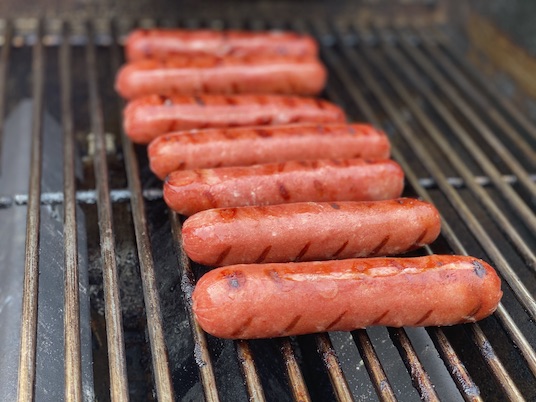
{"x": 461, "y": 143}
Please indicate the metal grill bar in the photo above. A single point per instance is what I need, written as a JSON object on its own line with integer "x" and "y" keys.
{"x": 204, "y": 362}
{"x": 4, "y": 65}
{"x": 333, "y": 366}
{"x": 505, "y": 103}
{"x": 114, "y": 328}
{"x": 247, "y": 364}
{"x": 164, "y": 386}
{"x": 297, "y": 385}
{"x": 27, "y": 362}
{"x": 374, "y": 368}
{"x": 494, "y": 363}
{"x": 419, "y": 376}
{"x": 73, "y": 377}
{"x": 464, "y": 85}
{"x": 517, "y": 336}
{"x": 151, "y": 194}
{"x": 464, "y": 382}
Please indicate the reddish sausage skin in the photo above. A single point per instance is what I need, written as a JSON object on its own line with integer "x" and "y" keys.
{"x": 245, "y": 146}
{"x": 228, "y": 75}
{"x": 271, "y": 300}
{"x": 163, "y": 43}
{"x": 309, "y": 231}
{"x": 191, "y": 191}
{"x": 150, "y": 116}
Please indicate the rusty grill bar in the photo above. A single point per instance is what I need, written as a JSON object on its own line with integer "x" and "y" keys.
{"x": 462, "y": 144}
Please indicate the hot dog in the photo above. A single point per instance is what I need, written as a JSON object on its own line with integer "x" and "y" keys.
{"x": 245, "y": 146}
{"x": 309, "y": 231}
{"x": 191, "y": 191}
{"x": 270, "y": 300}
{"x": 221, "y": 75}
{"x": 163, "y": 43}
{"x": 148, "y": 117}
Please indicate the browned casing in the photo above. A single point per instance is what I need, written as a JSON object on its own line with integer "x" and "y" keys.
{"x": 191, "y": 191}
{"x": 271, "y": 300}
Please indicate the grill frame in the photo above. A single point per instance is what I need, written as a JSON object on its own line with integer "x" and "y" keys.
{"x": 340, "y": 52}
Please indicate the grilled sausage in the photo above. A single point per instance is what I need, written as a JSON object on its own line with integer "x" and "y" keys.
{"x": 309, "y": 231}
{"x": 191, "y": 191}
{"x": 163, "y": 43}
{"x": 221, "y": 75}
{"x": 148, "y": 117}
{"x": 245, "y": 146}
{"x": 270, "y": 300}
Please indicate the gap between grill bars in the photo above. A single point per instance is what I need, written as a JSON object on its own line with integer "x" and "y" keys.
{"x": 432, "y": 98}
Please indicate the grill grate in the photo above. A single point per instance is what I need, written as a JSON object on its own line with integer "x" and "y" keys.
{"x": 462, "y": 144}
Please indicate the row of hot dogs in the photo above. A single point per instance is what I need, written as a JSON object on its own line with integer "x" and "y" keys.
{"x": 293, "y": 204}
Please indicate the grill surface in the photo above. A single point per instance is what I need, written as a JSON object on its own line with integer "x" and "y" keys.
{"x": 462, "y": 144}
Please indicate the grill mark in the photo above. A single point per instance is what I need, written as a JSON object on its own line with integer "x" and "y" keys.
{"x": 475, "y": 310}
{"x": 199, "y": 100}
{"x": 284, "y": 192}
{"x": 171, "y": 126}
{"x": 381, "y": 317}
{"x": 227, "y": 134}
{"x": 263, "y": 133}
{"x": 235, "y": 87}
{"x": 289, "y": 101}
{"x": 263, "y": 255}
{"x": 266, "y": 120}
{"x": 240, "y": 330}
{"x": 417, "y": 242}
{"x": 231, "y": 101}
{"x": 319, "y": 104}
{"x": 424, "y": 317}
{"x": 303, "y": 251}
{"x": 336, "y": 320}
{"x": 210, "y": 198}
{"x": 235, "y": 278}
{"x": 274, "y": 275}
{"x": 222, "y": 255}
{"x": 479, "y": 269}
{"x": 227, "y": 213}
{"x": 318, "y": 186}
{"x": 380, "y": 246}
{"x": 292, "y": 324}
{"x": 341, "y": 249}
